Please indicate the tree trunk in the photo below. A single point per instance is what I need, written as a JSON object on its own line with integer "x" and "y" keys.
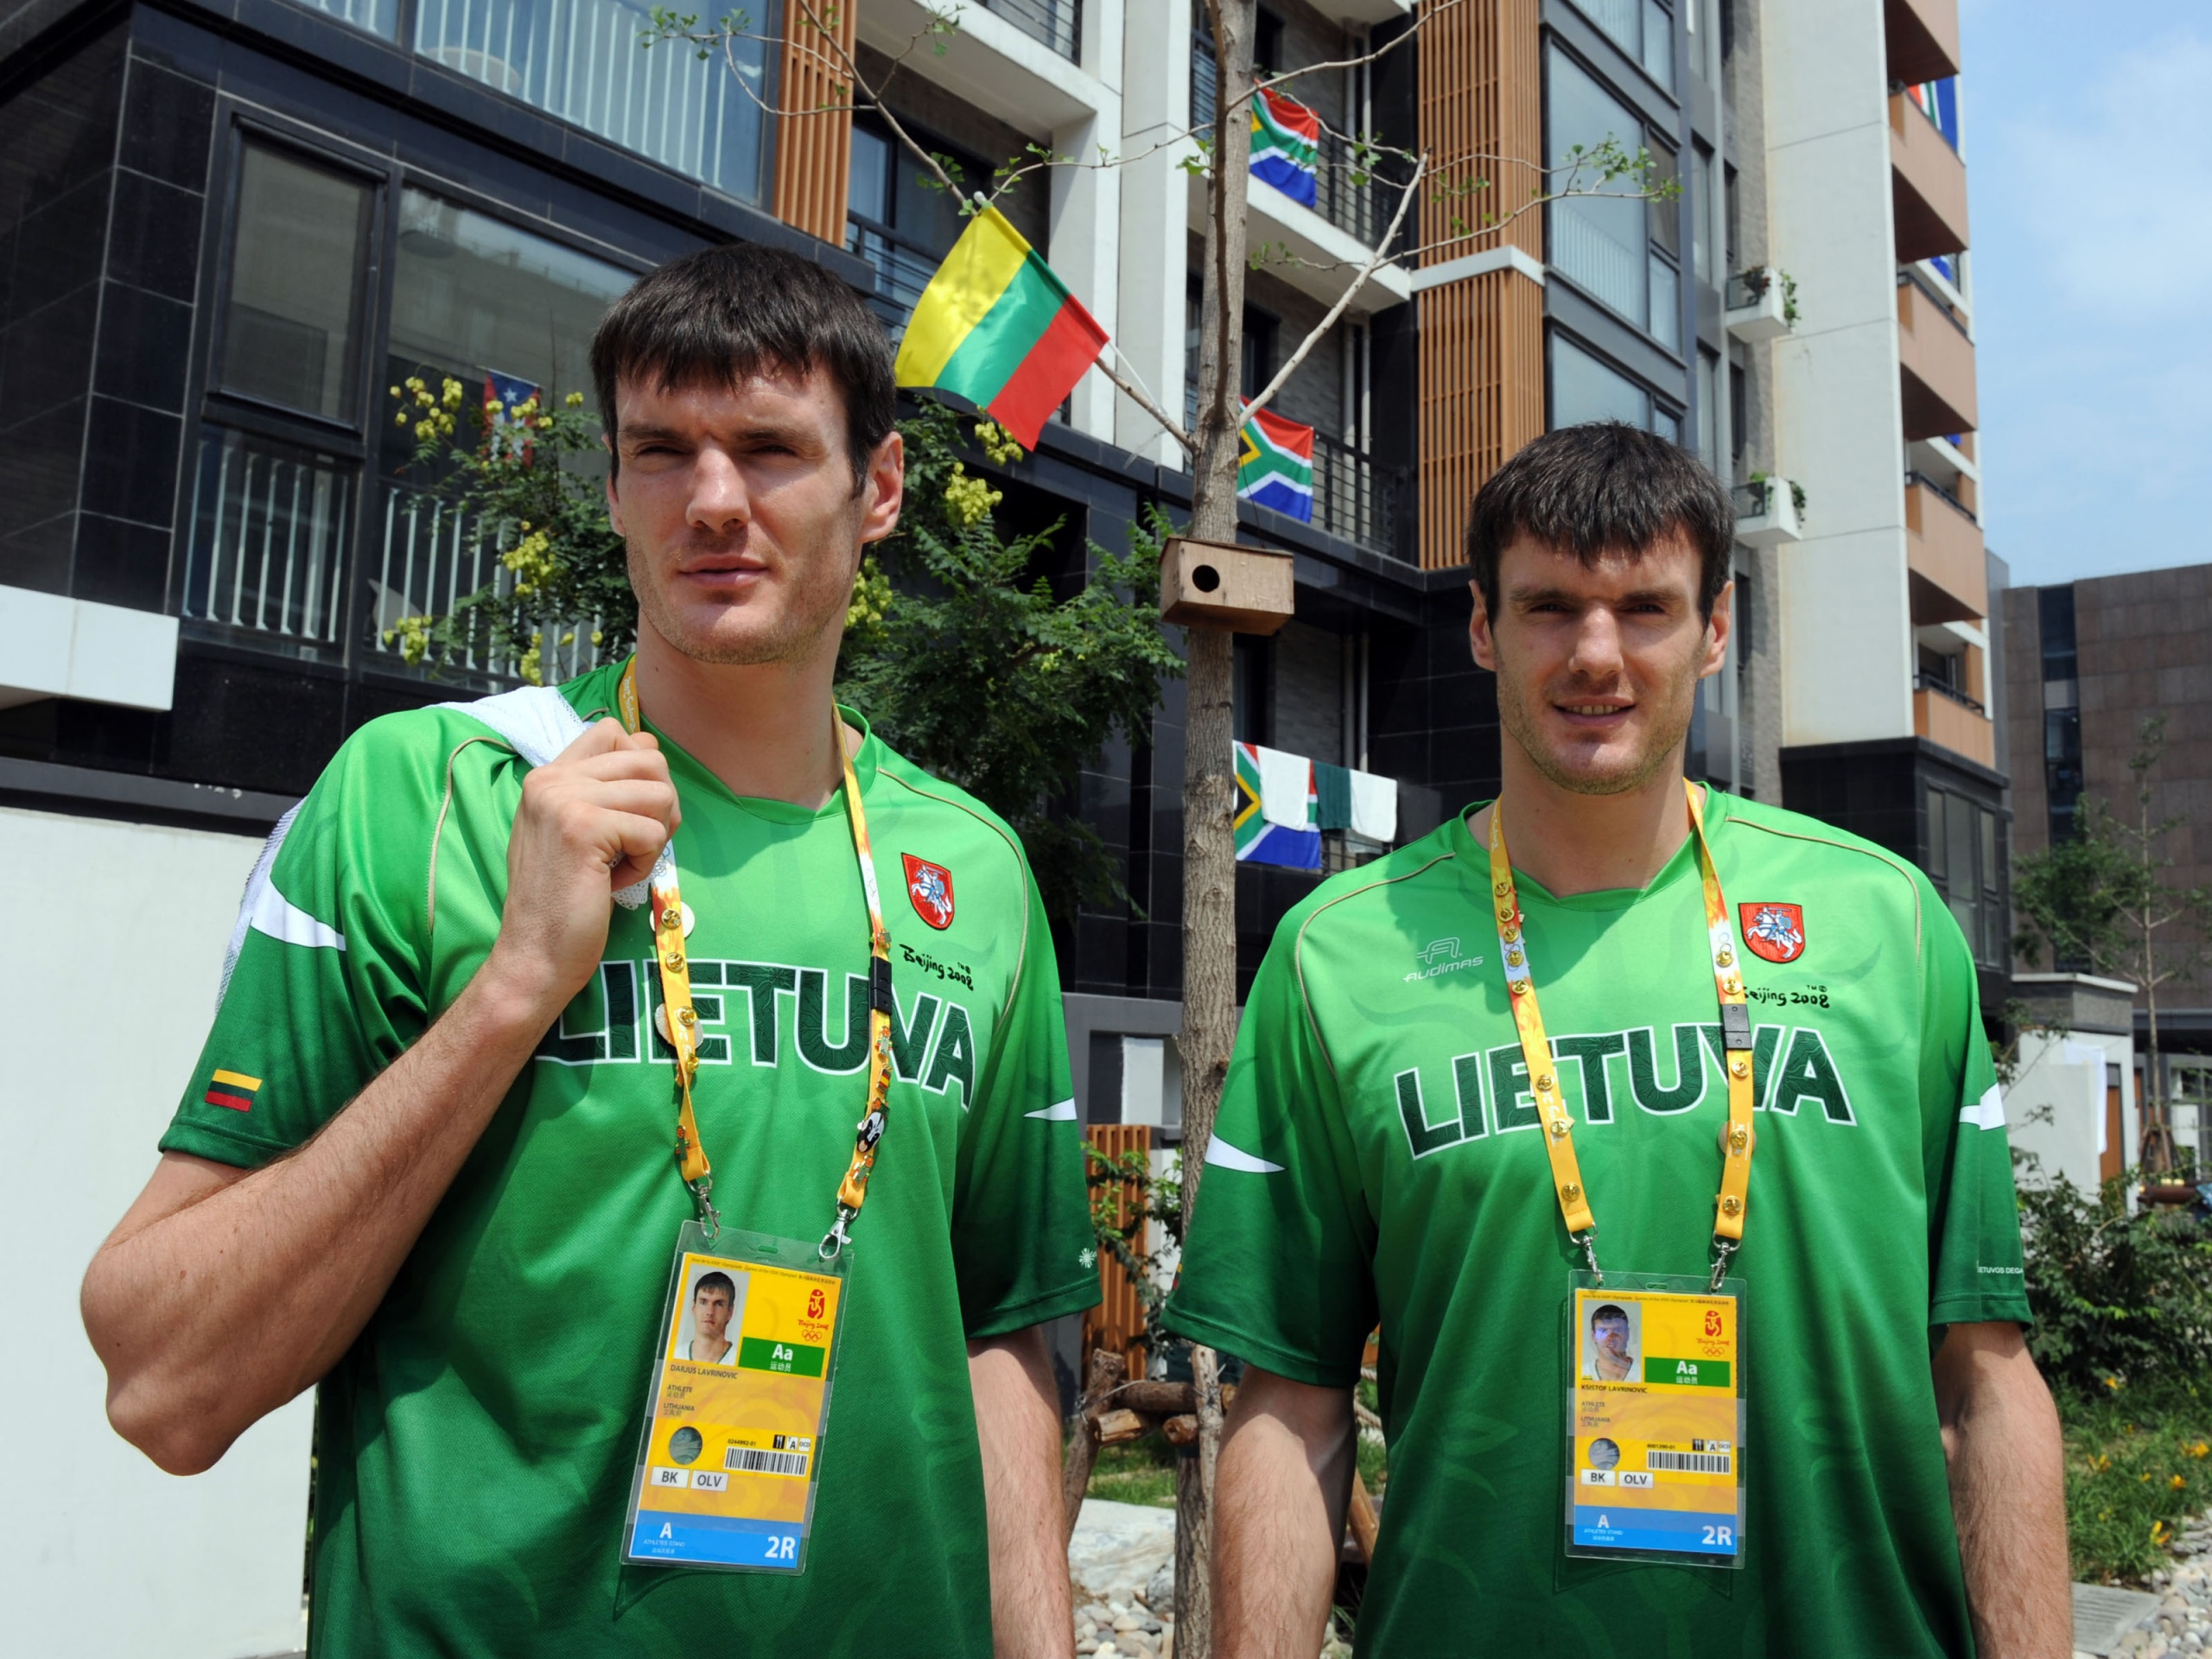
{"x": 1209, "y": 775}
{"x": 2158, "y": 1138}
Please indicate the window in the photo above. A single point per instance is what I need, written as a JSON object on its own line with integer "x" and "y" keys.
{"x": 1701, "y": 212}
{"x": 1708, "y": 408}
{"x": 897, "y": 220}
{"x": 2061, "y": 713}
{"x": 1623, "y": 253}
{"x": 1258, "y": 364}
{"x": 1739, "y": 416}
{"x": 580, "y": 62}
{"x": 1642, "y": 28}
{"x": 1583, "y": 388}
{"x": 500, "y": 310}
{"x": 1964, "y": 842}
{"x": 378, "y": 16}
{"x": 291, "y": 330}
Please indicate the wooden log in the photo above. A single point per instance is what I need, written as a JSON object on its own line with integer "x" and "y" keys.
{"x": 1181, "y": 1430}
{"x": 1114, "y": 1428}
{"x": 1361, "y": 1519}
{"x": 1161, "y": 1399}
{"x": 1106, "y": 1371}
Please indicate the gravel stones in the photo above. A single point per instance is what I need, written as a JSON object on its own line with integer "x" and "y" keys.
{"x": 2182, "y": 1623}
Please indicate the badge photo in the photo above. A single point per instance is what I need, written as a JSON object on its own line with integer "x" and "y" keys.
{"x": 930, "y": 886}
{"x": 1774, "y": 931}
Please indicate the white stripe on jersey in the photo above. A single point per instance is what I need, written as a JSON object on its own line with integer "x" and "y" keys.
{"x": 1221, "y": 1155}
{"x": 264, "y": 910}
{"x": 1063, "y": 1113}
{"x": 1987, "y": 1113}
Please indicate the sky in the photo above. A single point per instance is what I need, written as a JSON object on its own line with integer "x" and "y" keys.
{"x": 2088, "y": 134}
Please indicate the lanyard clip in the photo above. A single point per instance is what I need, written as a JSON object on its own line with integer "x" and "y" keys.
{"x": 1587, "y": 1238}
{"x": 710, "y": 1217}
{"x": 834, "y": 1241}
{"x": 1722, "y": 1250}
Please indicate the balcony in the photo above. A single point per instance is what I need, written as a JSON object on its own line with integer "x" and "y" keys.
{"x": 1923, "y": 39}
{"x": 1357, "y": 499}
{"x": 1948, "y": 573}
{"x": 1948, "y": 718}
{"x": 903, "y": 268}
{"x": 1768, "y": 514}
{"x": 1935, "y": 359}
{"x": 580, "y": 62}
{"x": 1927, "y": 185}
{"x": 1325, "y": 255}
{"x": 270, "y": 525}
{"x": 1054, "y": 23}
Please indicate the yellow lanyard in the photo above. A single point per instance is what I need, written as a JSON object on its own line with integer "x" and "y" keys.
{"x": 682, "y": 1031}
{"x": 1543, "y": 1079}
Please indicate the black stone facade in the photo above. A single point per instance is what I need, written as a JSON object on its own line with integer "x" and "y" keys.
{"x": 118, "y": 133}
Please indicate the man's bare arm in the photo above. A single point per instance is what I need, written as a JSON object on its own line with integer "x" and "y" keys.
{"x": 1018, "y": 1421}
{"x": 222, "y": 1294}
{"x": 2007, "y": 1470}
{"x": 1280, "y": 1490}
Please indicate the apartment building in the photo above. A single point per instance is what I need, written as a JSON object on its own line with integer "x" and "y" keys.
{"x": 2087, "y": 663}
{"x": 1890, "y": 708}
{"x": 228, "y": 226}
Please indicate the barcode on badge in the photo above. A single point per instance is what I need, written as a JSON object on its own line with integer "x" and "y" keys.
{"x": 1687, "y": 1462}
{"x": 746, "y": 1460}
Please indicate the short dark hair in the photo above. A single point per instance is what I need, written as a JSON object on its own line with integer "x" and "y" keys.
{"x": 1602, "y": 489}
{"x": 1612, "y": 1311}
{"x": 723, "y": 315}
{"x": 716, "y": 1281}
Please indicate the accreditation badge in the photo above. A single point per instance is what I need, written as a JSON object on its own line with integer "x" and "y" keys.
{"x": 1655, "y": 1416}
{"x": 732, "y": 1451}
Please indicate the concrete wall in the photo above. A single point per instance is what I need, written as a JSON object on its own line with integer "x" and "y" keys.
{"x": 2055, "y": 1106}
{"x": 1846, "y": 632}
{"x": 114, "y": 944}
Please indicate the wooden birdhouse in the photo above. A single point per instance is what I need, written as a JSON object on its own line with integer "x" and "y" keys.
{"x": 1235, "y": 589}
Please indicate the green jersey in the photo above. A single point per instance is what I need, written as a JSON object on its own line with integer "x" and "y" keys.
{"x": 477, "y": 1442}
{"x": 1377, "y": 1157}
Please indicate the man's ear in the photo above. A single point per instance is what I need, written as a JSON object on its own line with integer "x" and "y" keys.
{"x": 1718, "y": 627}
{"x": 884, "y": 489}
{"x": 1480, "y": 640}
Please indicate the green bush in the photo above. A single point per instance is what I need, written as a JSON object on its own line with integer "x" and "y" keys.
{"x": 2121, "y": 1299}
{"x": 2136, "y": 1467}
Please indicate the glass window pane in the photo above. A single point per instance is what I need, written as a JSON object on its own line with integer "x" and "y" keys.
{"x": 1988, "y": 852}
{"x": 1701, "y": 212}
{"x": 1618, "y": 18}
{"x": 1658, "y": 44}
{"x": 1668, "y": 425}
{"x": 378, "y": 16}
{"x": 868, "y": 193}
{"x": 579, "y": 62}
{"x": 290, "y": 333}
{"x": 1708, "y": 410}
{"x": 1583, "y": 389}
{"x": 1938, "y": 838}
{"x": 1666, "y": 211}
{"x": 1963, "y": 832}
{"x": 1666, "y": 304}
{"x": 1597, "y": 241}
{"x": 491, "y": 306}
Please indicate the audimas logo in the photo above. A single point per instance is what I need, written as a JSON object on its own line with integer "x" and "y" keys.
{"x": 1441, "y": 956}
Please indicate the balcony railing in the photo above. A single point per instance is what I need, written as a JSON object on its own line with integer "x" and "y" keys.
{"x": 270, "y": 528}
{"x": 1344, "y": 193}
{"x": 1928, "y": 484}
{"x": 579, "y": 62}
{"x": 903, "y": 268}
{"x": 1355, "y": 498}
{"x": 1943, "y": 688}
{"x": 376, "y": 17}
{"x": 429, "y": 559}
{"x": 1054, "y": 23}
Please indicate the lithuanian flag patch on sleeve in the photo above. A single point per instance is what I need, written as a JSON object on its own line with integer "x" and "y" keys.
{"x": 233, "y": 1089}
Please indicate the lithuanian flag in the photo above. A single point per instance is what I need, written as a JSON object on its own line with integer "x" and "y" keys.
{"x": 998, "y": 327}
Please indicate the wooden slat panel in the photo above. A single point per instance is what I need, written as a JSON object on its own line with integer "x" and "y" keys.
{"x": 1118, "y": 1323}
{"x": 1482, "y": 364}
{"x": 814, "y": 152}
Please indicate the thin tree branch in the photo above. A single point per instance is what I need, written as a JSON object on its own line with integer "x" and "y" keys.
{"x": 1373, "y": 261}
{"x": 1143, "y": 400}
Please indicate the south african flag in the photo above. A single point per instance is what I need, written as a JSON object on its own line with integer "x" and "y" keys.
{"x": 1286, "y": 143}
{"x": 1260, "y": 841}
{"x": 1277, "y": 466}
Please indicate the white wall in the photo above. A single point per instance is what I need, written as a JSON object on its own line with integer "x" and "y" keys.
{"x": 113, "y": 943}
{"x": 1847, "y": 634}
{"x": 2055, "y": 1106}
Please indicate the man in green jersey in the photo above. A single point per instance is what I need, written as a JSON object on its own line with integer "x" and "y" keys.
{"x": 425, "y": 1160}
{"x": 1380, "y": 1155}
